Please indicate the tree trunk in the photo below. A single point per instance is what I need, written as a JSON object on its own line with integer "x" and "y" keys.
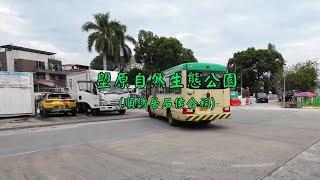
{"x": 117, "y": 60}
{"x": 104, "y": 61}
{"x": 119, "y": 63}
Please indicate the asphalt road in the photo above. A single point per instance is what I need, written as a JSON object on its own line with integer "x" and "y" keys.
{"x": 253, "y": 144}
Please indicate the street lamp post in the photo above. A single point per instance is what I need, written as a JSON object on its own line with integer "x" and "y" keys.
{"x": 241, "y": 83}
{"x": 284, "y": 86}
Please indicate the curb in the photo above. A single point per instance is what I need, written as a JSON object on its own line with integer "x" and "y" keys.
{"x": 64, "y": 123}
{"x": 277, "y": 109}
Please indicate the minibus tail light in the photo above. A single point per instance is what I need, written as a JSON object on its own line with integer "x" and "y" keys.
{"x": 226, "y": 109}
{"x": 187, "y": 111}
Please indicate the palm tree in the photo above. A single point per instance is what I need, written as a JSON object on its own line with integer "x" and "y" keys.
{"x": 122, "y": 51}
{"x": 101, "y": 35}
{"x": 109, "y": 38}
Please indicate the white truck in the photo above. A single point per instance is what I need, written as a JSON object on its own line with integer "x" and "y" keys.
{"x": 82, "y": 86}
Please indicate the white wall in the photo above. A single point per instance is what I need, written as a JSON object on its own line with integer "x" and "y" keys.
{"x": 67, "y": 67}
{"x": 17, "y": 54}
{"x": 17, "y": 101}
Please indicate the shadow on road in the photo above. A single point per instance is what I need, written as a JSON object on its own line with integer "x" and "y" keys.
{"x": 192, "y": 125}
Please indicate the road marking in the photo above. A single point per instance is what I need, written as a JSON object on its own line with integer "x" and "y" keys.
{"x": 66, "y": 146}
{"x": 253, "y": 165}
{"x": 63, "y": 126}
{"x": 46, "y": 149}
{"x": 177, "y": 163}
{"x": 272, "y": 109}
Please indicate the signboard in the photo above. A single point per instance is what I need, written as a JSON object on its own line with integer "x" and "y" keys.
{"x": 15, "y": 79}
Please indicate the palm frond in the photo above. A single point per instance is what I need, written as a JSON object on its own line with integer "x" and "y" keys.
{"x": 130, "y": 39}
{"x": 91, "y": 39}
{"x": 88, "y": 26}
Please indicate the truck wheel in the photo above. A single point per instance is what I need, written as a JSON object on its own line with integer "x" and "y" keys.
{"x": 94, "y": 112}
{"x": 151, "y": 114}
{"x": 81, "y": 107}
{"x": 87, "y": 110}
{"x": 74, "y": 112}
{"x": 122, "y": 111}
{"x": 171, "y": 121}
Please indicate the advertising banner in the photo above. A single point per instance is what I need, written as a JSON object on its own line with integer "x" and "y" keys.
{"x": 15, "y": 79}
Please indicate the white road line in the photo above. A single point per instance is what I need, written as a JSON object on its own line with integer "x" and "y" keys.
{"x": 253, "y": 165}
{"x": 68, "y": 146}
{"x": 47, "y": 149}
{"x": 65, "y": 126}
{"x": 273, "y": 109}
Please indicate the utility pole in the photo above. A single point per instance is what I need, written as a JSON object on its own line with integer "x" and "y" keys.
{"x": 284, "y": 86}
{"x": 241, "y": 83}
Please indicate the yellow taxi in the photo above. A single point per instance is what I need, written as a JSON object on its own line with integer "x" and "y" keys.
{"x": 57, "y": 103}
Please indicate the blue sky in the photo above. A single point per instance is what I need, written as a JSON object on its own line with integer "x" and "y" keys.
{"x": 214, "y": 29}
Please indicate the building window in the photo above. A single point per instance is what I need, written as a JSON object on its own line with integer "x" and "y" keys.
{"x": 54, "y": 67}
{"x": 40, "y": 76}
{"x": 40, "y": 65}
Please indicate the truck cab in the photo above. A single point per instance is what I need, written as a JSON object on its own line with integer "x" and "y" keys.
{"x": 83, "y": 87}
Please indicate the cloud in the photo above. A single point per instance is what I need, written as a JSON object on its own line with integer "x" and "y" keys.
{"x": 147, "y": 9}
{"x": 297, "y": 51}
{"x": 238, "y": 18}
{"x": 10, "y": 21}
{"x": 66, "y": 56}
{"x": 20, "y": 32}
{"x": 190, "y": 38}
{"x": 213, "y": 29}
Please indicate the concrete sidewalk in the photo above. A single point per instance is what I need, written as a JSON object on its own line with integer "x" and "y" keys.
{"x": 272, "y": 105}
{"x": 60, "y": 119}
{"x": 303, "y": 166}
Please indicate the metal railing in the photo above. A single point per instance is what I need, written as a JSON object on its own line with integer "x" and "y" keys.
{"x": 52, "y": 90}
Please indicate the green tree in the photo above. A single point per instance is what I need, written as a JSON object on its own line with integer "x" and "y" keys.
{"x": 271, "y": 47}
{"x": 302, "y": 76}
{"x": 101, "y": 37}
{"x": 145, "y": 51}
{"x": 97, "y": 63}
{"x": 122, "y": 52}
{"x": 187, "y": 56}
{"x": 132, "y": 74}
{"x": 108, "y": 38}
{"x": 259, "y": 68}
{"x": 160, "y": 53}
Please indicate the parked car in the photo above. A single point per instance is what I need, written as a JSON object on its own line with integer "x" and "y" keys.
{"x": 288, "y": 98}
{"x": 262, "y": 97}
{"x": 57, "y": 103}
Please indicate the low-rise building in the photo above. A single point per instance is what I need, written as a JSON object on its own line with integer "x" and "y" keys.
{"x": 47, "y": 70}
{"x": 74, "y": 68}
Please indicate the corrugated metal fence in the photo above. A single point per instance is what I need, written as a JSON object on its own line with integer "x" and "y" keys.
{"x": 308, "y": 101}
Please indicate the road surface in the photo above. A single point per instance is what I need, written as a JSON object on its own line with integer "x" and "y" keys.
{"x": 253, "y": 144}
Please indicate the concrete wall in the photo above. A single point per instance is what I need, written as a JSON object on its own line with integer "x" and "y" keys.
{"x": 16, "y": 54}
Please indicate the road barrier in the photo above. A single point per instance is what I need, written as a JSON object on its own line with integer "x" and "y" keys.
{"x": 248, "y": 101}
